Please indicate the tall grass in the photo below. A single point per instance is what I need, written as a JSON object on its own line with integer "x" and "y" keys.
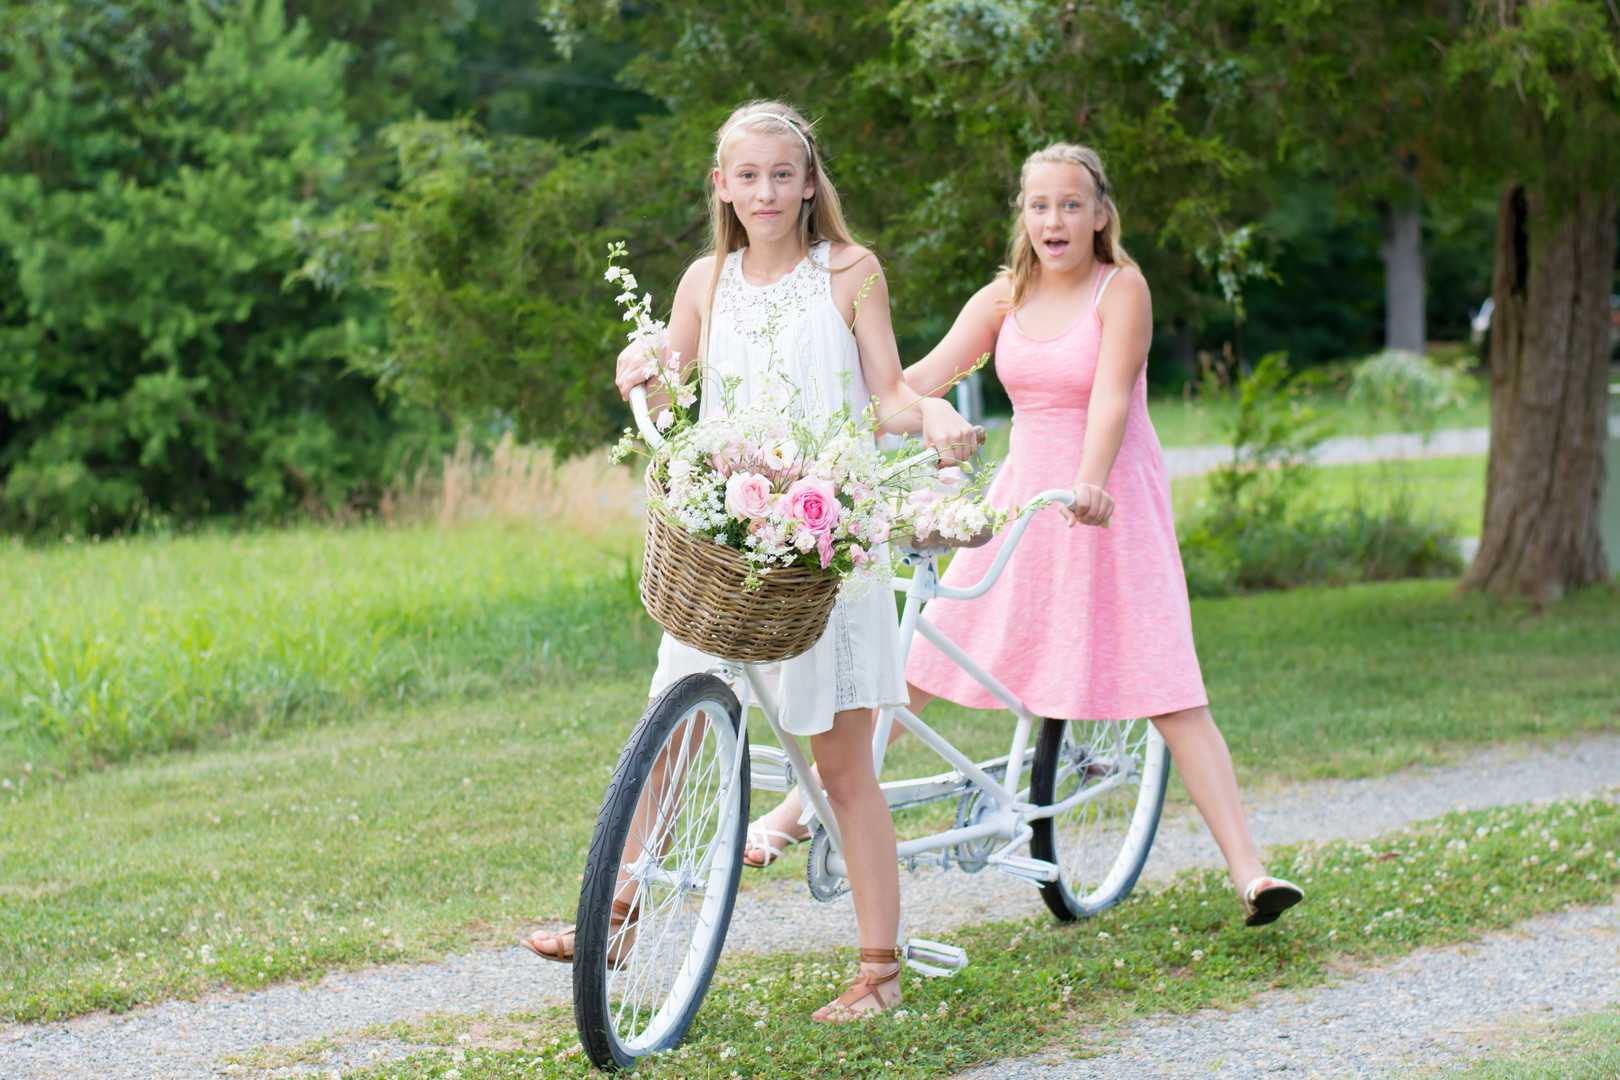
{"x": 513, "y": 482}
{"x": 144, "y": 645}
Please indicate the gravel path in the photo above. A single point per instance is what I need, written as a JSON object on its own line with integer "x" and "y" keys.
{"x": 188, "y": 1039}
{"x": 1434, "y": 1007}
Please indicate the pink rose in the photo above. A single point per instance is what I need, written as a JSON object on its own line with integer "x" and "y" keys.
{"x": 728, "y": 458}
{"x": 813, "y": 504}
{"x": 824, "y": 548}
{"x": 858, "y": 555}
{"x": 748, "y": 495}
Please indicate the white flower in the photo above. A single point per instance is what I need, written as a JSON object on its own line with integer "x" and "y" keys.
{"x": 665, "y": 420}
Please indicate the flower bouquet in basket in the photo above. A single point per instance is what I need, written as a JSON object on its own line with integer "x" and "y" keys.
{"x": 756, "y": 516}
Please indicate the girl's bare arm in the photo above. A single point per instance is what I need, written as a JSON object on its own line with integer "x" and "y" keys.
{"x": 1127, "y": 331}
{"x": 900, "y": 407}
{"x": 971, "y": 336}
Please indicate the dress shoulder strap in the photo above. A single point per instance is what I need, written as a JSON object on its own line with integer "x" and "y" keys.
{"x": 1102, "y": 285}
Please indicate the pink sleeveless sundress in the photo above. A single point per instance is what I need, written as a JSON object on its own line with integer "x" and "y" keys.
{"x": 1085, "y": 623}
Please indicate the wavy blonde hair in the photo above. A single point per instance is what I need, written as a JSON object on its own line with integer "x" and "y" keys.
{"x": 1023, "y": 265}
{"x": 821, "y": 217}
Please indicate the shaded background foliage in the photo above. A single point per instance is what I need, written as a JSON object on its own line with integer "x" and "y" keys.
{"x": 254, "y": 254}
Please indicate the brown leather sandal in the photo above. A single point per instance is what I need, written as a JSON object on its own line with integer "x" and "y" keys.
{"x": 559, "y": 946}
{"x": 866, "y": 985}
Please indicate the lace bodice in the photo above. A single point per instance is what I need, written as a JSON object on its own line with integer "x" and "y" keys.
{"x": 788, "y": 331}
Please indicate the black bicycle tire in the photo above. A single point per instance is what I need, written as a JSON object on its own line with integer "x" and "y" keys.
{"x": 602, "y": 866}
{"x": 1043, "y": 845}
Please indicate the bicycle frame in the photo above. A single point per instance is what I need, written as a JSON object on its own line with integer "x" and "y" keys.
{"x": 1010, "y": 819}
{"x": 1012, "y": 813}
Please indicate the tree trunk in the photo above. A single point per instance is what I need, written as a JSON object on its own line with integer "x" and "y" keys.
{"x": 1402, "y": 252}
{"x": 1549, "y": 367}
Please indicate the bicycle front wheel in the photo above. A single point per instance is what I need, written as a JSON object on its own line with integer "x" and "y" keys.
{"x": 1113, "y": 775}
{"x": 661, "y": 876}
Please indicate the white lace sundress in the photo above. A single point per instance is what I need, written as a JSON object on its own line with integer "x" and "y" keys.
{"x": 856, "y": 663}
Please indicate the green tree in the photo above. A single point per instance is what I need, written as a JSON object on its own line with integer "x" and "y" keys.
{"x": 490, "y": 259}
{"x": 154, "y": 161}
{"x": 1543, "y": 77}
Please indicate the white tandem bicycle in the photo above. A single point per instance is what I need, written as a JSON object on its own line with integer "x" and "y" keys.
{"x": 1075, "y": 815}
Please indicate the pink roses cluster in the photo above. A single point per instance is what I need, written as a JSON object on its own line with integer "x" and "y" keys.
{"x": 811, "y": 506}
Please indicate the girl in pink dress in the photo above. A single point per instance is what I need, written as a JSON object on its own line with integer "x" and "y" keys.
{"x": 1091, "y": 623}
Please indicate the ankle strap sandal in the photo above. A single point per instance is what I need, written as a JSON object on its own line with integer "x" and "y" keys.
{"x": 848, "y": 1005}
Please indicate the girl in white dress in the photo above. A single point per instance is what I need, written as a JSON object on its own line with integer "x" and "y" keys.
{"x": 780, "y": 299}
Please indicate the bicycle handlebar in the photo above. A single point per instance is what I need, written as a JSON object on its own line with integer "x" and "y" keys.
{"x": 1058, "y": 496}
{"x": 644, "y": 423}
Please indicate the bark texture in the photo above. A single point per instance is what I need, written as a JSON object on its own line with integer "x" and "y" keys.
{"x": 1549, "y": 365}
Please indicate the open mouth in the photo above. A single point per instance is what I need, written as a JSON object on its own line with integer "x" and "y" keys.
{"x": 1055, "y": 247}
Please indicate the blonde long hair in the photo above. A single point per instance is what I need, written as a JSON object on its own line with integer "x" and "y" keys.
{"x": 1023, "y": 265}
{"x": 821, "y": 217}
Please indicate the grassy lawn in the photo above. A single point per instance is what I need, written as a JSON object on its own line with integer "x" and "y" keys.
{"x": 1037, "y": 984}
{"x": 139, "y": 646}
{"x": 1587, "y": 1048}
{"x": 406, "y": 832}
{"x": 1451, "y": 489}
{"x": 1203, "y": 421}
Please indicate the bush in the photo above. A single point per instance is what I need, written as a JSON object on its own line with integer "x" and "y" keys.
{"x": 154, "y": 360}
{"x": 1413, "y": 388}
{"x": 1257, "y": 536}
{"x": 1225, "y": 554}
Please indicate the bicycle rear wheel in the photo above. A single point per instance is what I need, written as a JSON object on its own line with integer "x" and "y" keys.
{"x": 1101, "y": 843}
{"x": 668, "y": 845}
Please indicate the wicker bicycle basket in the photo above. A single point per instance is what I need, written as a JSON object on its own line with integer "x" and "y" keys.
{"x": 693, "y": 588}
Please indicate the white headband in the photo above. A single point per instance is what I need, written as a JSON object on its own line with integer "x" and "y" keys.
{"x": 788, "y": 120}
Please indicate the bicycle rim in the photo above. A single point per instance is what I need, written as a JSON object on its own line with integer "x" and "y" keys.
{"x": 674, "y": 820}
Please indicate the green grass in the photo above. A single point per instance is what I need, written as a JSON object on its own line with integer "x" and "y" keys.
{"x": 138, "y": 646}
{"x": 1038, "y": 984}
{"x": 1202, "y": 421}
{"x": 1451, "y": 490}
{"x": 409, "y": 832}
{"x": 1586, "y": 1048}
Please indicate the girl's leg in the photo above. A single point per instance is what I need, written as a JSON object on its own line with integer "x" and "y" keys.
{"x": 783, "y": 818}
{"x": 649, "y": 825}
{"x": 1205, "y": 766}
{"x": 845, "y": 757}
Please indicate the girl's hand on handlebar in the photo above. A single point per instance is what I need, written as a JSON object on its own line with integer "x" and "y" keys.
{"x": 638, "y": 362}
{"x": 945, "y": 430}
{"x": 1092, "y": 506}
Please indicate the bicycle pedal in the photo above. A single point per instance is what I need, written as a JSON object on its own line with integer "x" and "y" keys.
{"x": 935, "y": 959}
{"x": 1019, "y": 866}
{"x": 769, "y": 768}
